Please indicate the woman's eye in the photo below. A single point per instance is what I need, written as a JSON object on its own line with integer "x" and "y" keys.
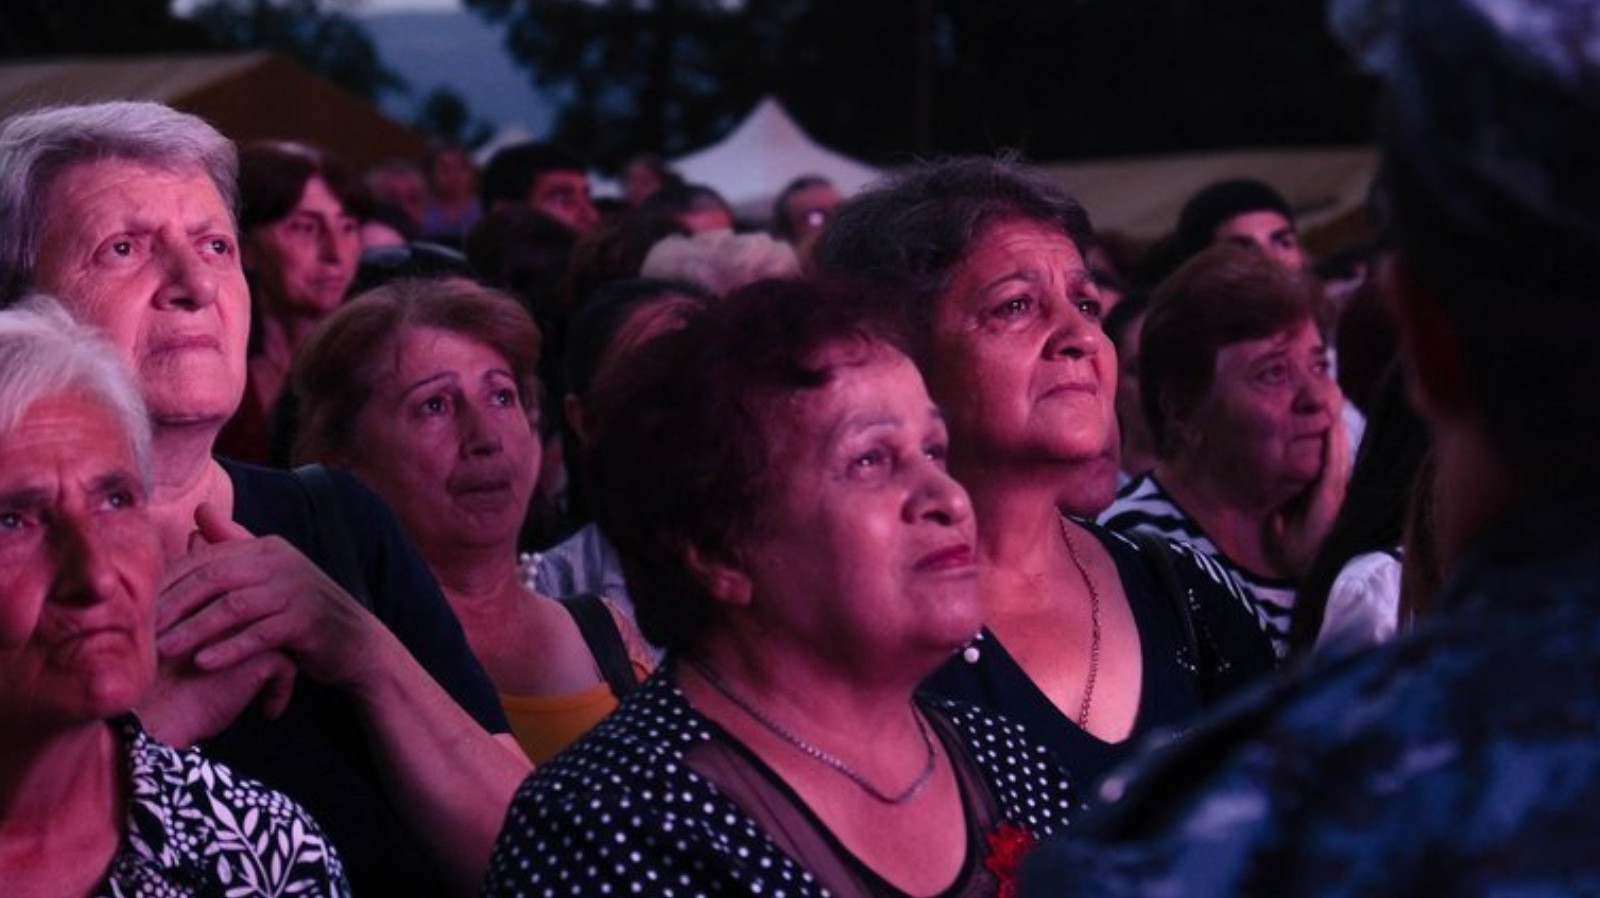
{"x": 505, "y": 398}
{"x": 10, "y": 520}
{"x": 219, "y": 246}
{"x": 868, "y": 461}
{"x": 1015, "y": 307}
{"x": 1273, "y": 374}
{"x": 939, "y": 452}
{"x": 1091, "y": 308}
{"x": 122, "y": 248}
{"x": 433, "y": 405}
{"x": 122, "y": 499}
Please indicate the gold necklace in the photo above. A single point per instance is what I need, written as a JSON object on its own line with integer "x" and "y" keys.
{"x": 1094, "y": 625}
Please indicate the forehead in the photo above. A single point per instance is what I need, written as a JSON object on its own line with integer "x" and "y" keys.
{"x": 426, "y": 347}
{"x": 866, "y": 381}
{"x": 65, "y": 431}
{"x": 82, "y": 194}
{"x": 1260, "y": 221}
{"x": 560, "y": 180}
{"x": 1017, "y": 242}
{"x": 1302, "y": 336}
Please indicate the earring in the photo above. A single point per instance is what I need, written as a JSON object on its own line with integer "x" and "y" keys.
{"x": 970, "y": 653}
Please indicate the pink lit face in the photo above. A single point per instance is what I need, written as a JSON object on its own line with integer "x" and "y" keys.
{"x": 304, "y": 263}
{"x": 865, "y": 550}
{"x": 1269, "y": 232}
{"x": 79, "y": 563}
{"x": 1266, "y": 421}
{"x": 151, "y": 257}
{"x": 1023, "y": 370}
{"x": 447, "y": 442}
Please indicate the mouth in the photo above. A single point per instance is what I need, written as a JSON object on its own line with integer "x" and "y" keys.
{"x": 1086, "y": 388}
{"x": 185, "y": 343}
{"x": 950, "y": 558}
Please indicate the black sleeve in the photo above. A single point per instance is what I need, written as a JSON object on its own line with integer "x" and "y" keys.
{"x": 1235, "y": 650}
{"x": 404, "y": 595}
{"x": 407, "y": 599}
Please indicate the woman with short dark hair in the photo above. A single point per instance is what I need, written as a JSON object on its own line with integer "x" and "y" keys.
{"x": 773, "y": 476}
{"x": 300, "y": 242}
{"x": 1239, "y": 393}
{"x": 1089, "y": 642}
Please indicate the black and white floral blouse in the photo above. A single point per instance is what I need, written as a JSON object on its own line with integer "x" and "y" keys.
{"x": 623, "y": 812}
{"x": 195, "y": 829}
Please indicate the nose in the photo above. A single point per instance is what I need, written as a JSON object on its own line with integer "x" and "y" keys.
{"x": 1314, "y": 390}
{"x": 191, "y": 282}
{"x": 938, "y": 498}
{"x": 336, "y": 244}
{"x": 84, "y": 573}
{"x": 479, "y": 435}
{"x": 1075, "y": 334}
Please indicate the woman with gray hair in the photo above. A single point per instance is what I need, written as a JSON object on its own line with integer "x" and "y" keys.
{"x": 119, "y": 812}
{"x": 1090, "y": 642}
{"x": 125, "y": 211}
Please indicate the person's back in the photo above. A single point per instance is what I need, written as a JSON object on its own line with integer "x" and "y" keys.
{"x": 1464, "y": 757}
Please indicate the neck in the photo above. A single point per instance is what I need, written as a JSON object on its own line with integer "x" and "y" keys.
{"x": 1018, "y": 507}
{"x": 469, "y": 575}
{"x": 811, "y": 696}
{"x": 61, "y": 807}
{"x": 1233, "y": 522}
{"x": 186, "y": 475}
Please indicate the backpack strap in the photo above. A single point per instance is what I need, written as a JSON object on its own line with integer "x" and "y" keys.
{"x": 333, "y": 532}
{"x": 600, "y": 634}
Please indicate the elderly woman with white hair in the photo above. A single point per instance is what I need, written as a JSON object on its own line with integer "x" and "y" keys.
{"x": 90, "y": 804}
{"x": 392, "y": 736}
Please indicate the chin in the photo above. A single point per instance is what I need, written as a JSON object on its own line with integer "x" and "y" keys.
{"x": 1092, "y": 487}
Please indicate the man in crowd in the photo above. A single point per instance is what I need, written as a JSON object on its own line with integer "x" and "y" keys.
{"x": 542, "y": 176}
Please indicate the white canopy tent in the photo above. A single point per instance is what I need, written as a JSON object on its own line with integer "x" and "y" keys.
{"x": 763, "y": 153}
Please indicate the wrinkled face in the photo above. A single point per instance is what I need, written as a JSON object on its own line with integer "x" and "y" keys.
{"x": 1269, "y": 232}
{"x": 446, "y": 442}
{"x": 150, "y": 256}
{"x": 1023, "y": 370}
{"x": 1263, "y": 427}
{"x": 564, "y": 196}
{"x": 79, "y": 564}
{"x": 303, "y": 264}
{"x": 865, "y": 549}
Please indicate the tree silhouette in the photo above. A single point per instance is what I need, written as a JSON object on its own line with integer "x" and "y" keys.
{"x": 883, "y": 80}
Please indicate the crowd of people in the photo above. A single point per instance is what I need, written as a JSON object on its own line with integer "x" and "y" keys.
{"x": 436, "y": 531}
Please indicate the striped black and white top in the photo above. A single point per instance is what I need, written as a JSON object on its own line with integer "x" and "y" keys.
{"x": 1143, "y": 505}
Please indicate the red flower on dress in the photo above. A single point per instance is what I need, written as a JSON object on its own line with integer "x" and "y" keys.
{"x": 1008, "y": 845}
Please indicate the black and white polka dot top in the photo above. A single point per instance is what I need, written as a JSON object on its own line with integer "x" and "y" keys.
{"x": 622, "y": 813}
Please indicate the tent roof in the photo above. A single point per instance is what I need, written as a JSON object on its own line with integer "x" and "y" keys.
{"x": 248, "y": 96}
{"x": 763, "y": 154}
{"x": 1141, "y": 197}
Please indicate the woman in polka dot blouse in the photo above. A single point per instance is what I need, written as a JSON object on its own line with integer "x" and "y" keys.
{"x": 773, "y": 476}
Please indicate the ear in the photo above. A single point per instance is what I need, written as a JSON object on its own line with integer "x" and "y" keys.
{"x": 722, "y": 580}
{"x": 577, "y": 417}
{"x": 1436, "y": 373}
